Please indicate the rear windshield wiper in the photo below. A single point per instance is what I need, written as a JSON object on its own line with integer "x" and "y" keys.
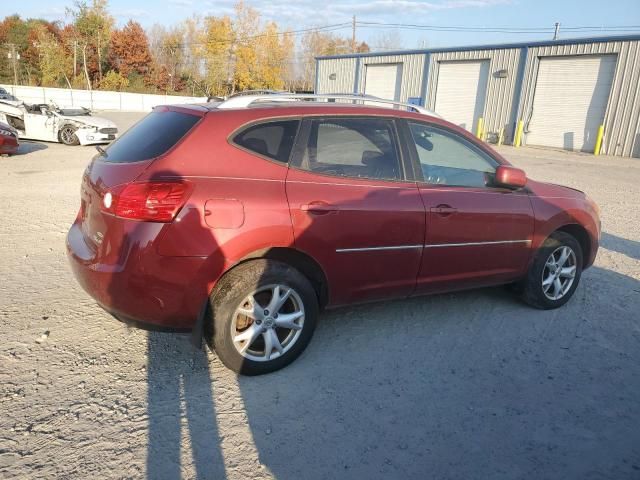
{"x": 102, "y": 151}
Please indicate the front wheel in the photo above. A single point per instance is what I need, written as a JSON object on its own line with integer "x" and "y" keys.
{"x": 555, "y": 273}
{"x": 262, "y": 316}
{"x": 67, "y": 135}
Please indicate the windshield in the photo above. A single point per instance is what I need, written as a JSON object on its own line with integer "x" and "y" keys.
{"x": 73, "y": 112}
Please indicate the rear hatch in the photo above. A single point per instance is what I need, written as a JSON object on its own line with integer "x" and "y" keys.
{"x": 121, "y": 163}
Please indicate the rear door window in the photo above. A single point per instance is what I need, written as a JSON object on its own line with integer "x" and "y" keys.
{"x": 353, "y": 147}
{"x": 270, "y": 139}
{"x": 151, "y": 137}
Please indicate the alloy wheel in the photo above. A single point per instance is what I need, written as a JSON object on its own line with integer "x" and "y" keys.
{"x": 67, "y": 135}
{"x": 267, "y": 323}
{"x": 559, "y": 273}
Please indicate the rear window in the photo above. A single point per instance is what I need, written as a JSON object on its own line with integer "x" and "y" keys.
{"x": 151, "y": 137}
{"x": 271, "y": 139}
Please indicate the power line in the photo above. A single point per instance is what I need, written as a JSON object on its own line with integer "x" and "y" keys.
{"x": 496, "y": 29}
{"x": 245, "y": 39}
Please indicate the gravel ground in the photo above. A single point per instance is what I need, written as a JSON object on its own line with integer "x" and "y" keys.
{"x": 467, "y": 385}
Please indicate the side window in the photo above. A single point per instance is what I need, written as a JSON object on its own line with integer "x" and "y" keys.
{"x": 448, "y": 159}
{"x": 272, "y": 139}
{"x": 353, "y": 147}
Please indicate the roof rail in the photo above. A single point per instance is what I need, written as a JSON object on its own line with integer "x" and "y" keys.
{"x": 244, "y": 101}
{"x": 258, "y": 92}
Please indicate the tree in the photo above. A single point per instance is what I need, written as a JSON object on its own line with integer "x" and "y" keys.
{"x": 167, "y": 46}
{"x": 159, "y": 77}
{"x": 387, "y": 40}
{"x": 92, "y": 24}
{"x": 114, "y": 81}
{"x": 20, "y": 36}
{"x": 129, "y": 50}
{"x": 246, "y": 27}
{"x": 218, "y": 54}
{"x": 55, "y": 65}
{"x": 275, "y": 53}
{"x": 194, "y": 61}
{"x": 317, "y": 43}
{"x": 14, "y": 33}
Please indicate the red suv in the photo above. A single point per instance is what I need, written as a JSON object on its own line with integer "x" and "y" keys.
{"x": 244, "y": 222}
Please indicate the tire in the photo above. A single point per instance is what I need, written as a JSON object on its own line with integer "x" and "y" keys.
{"x": 537, "y": 291}
{"x": 251, "y": 288}
{"x": 67, "y": 135}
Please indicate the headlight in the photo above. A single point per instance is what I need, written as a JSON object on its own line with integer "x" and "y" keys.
{"x": 8, "y": 133}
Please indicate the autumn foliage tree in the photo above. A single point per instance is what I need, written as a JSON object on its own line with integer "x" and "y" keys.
{"x": 214, "y": 55}
{"x": 55, "y": 65}
{"x": 92, "y": 25}
{"x": 218, "y": 42}
{"x": 129, "y": 50}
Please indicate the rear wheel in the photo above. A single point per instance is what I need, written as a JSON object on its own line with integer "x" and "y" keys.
{"x": 555, "y": 272}
{"x": 67, "y": 135}
{"x": 262, "y": 316}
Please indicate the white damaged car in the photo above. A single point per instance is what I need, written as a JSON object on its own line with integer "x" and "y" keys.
{"x": 71, "y": 126}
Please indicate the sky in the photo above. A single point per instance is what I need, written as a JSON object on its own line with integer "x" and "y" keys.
{"x": 299, "y": 14}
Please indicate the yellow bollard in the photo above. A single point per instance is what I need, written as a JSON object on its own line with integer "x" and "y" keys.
{"x": 501, "y": 136}
{"x": 518, "y": 139}
{"x": 596, "y": 151}
{"x": 480, "y": 128}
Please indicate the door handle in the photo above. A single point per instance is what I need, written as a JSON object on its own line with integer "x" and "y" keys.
{"x": 319, "y": 208}
{"x": 444, "y": 210}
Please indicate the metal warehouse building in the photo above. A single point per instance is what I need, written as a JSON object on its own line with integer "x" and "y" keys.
{"x": 560, "y": 92}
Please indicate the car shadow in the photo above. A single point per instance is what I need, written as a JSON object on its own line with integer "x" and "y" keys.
{"x": 29, "y": 147}
{"x": 630, "y": 248}
{"x": 179, "y": 387}
{"x": 468, "y": 385}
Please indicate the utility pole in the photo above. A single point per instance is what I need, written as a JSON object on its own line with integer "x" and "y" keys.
{"x": 353, "y": 34}
{"x": 555, "y": 34}
{"x": 14, "y": 56}
{"x": 75, "y": 58}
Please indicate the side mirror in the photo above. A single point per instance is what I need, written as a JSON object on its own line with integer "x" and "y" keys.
{"x": 510, "y": 177}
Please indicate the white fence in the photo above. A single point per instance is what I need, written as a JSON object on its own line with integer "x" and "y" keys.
{"x": 96, "y": 99}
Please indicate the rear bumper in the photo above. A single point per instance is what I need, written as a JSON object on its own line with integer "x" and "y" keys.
{"x": 142, "y": 287}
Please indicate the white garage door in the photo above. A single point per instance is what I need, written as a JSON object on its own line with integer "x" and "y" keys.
{"x": 461, "y": 92}
{"x": 570, "y": 101}
{"x": 383, "y": 81}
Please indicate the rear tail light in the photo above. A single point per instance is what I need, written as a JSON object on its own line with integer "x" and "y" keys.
{"x": 149, "y": 201}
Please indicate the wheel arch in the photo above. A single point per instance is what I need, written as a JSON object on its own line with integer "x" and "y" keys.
{"x": 63, "y": 124}
{"x": 299, "y": 260}
{"x": 581, "y": 234}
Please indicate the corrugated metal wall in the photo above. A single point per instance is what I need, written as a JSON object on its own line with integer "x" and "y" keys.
{"x": 622, "y": 119}
{"x": 345, "y": 70}
{"x": 508, "y": 99}
{"x": 500, "y": 99}
{"x": 412, "y": 68}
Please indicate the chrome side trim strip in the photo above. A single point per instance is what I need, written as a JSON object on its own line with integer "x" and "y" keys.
{"x": 437, "y": 245}
{"x": 372, "y": 249}
{"x": 474, "y": 244}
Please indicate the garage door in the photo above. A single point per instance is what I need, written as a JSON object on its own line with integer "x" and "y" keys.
{"x": 383, "y": 81}
{"x": 461, "y": 92}
{"x": 570, "y": 101}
